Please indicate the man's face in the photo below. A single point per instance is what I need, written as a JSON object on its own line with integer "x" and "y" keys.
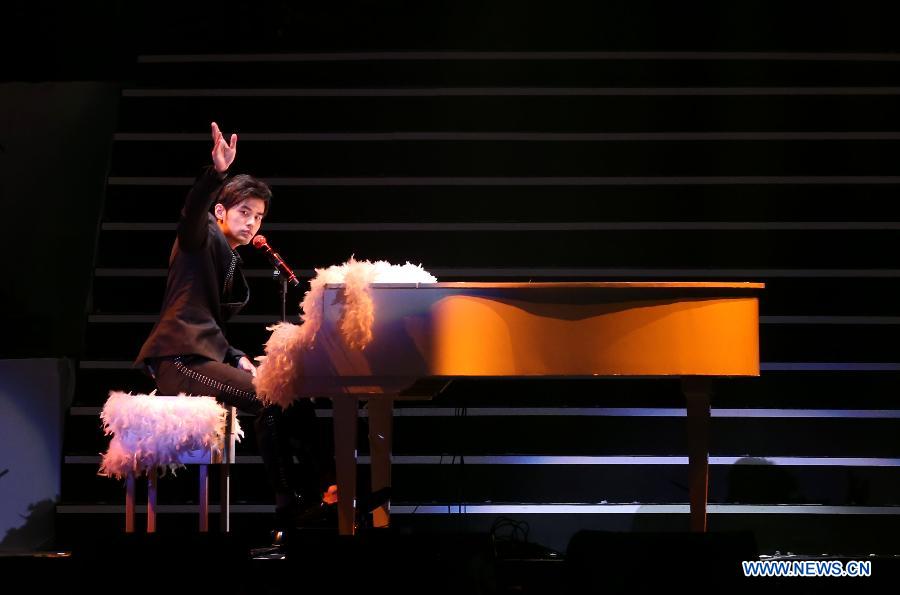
{"x": 241, "y": 222}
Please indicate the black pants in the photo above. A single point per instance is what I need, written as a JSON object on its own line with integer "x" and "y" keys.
{"x": 281, "y": 434}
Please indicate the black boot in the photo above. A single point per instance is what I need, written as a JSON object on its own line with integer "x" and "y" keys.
{"x": 301, "y": 513}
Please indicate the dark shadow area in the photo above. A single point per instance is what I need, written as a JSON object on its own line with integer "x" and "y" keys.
{"x": 752, "y": 480}
{"x": 601, "y": 560}
{"x": 53, "y": 164}
{"x": 39, "y": 523}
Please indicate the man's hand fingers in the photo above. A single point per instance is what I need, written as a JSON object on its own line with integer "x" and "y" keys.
{"x": 245, "y": 364}
{"x": 215, "y": 132}
{"x": 233, "y": 144}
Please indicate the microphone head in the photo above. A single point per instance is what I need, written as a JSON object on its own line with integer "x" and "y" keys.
{"x": 259, "y": 242}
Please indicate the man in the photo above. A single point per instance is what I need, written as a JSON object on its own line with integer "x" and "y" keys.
{"x": 187, "y": 351}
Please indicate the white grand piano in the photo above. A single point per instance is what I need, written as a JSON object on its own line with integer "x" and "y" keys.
{"x": 441, "y": 331}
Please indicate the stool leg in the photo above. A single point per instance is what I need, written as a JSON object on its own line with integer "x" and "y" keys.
{"x": 225, "y": 499}
{"x": 129, "y": 503}
{"x": 225, "y": 478}
{"x": 203, "y": 499}
{"x": 151, "y": 500}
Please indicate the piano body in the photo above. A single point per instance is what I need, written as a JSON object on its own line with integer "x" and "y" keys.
{"x": 693, "y": 331}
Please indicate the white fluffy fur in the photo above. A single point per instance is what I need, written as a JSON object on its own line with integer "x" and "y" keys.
{"x": 277, "y": 376}
{"x": 152, "y": 432}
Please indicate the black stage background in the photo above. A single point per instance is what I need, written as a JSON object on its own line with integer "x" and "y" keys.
{"x": 748, "y": 141}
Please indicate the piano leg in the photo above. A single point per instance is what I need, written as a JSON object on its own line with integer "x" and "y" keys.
{"x": 696, "y": 392}
{"x": 129, "y": 502}
{"x": 381, "y": 422}
{"x": 345, "y": 421}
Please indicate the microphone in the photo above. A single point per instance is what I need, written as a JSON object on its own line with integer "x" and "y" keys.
{"x": 260, "y": 243}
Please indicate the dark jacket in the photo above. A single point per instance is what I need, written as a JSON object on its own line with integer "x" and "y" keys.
{"x": 205, "y": 286}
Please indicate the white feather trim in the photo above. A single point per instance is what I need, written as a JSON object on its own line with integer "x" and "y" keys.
{"x": 148, "y": 431}
{"x": 279, "y": 371}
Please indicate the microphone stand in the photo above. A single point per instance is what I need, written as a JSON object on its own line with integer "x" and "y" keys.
{"x": 277, "y": 276}
{"x": 280, "y": 271}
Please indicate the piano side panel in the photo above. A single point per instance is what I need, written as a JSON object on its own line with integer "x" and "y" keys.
{"x": 420, "y": 332}
{"x": 397, "y": 356}
{"x": 474, "y": 336}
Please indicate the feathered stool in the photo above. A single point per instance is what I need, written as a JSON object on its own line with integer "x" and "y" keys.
{"x": 150, "y": 432}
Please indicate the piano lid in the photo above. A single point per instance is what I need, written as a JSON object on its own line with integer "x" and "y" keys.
{"x": 569, "y": 285}
{"x": 578, "y": 329}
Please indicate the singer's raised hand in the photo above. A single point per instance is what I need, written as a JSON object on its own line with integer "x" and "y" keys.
{"x": 222, "y": 153}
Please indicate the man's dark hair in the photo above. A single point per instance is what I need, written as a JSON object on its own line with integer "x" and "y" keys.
{"x": 242, "y": 187}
